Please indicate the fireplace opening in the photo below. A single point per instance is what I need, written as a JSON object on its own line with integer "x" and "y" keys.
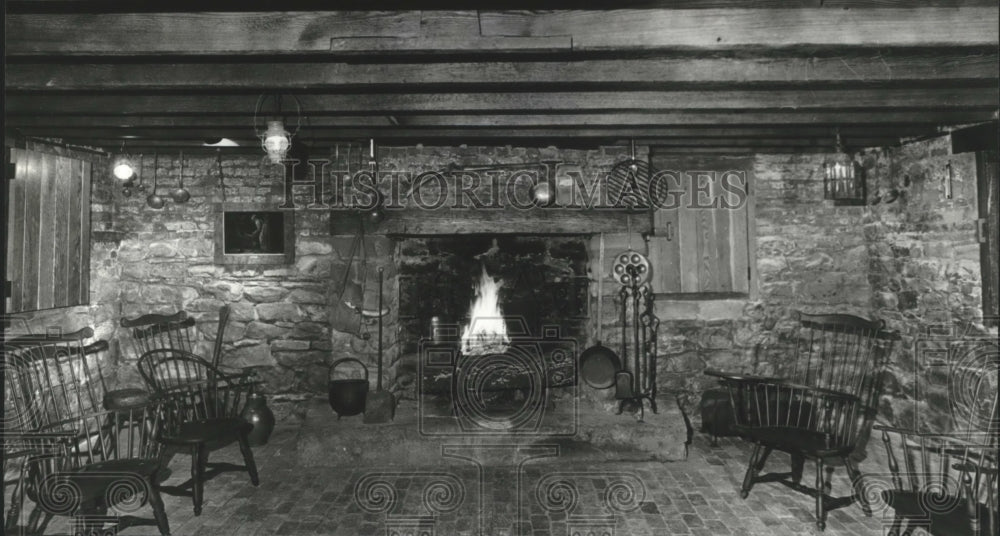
{"x": 495, "y": 321}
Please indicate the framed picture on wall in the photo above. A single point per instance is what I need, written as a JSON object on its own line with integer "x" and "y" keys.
{"x": 250, "y": 233}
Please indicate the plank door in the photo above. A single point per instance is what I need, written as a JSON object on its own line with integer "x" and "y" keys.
{"x": 48, "y": 231}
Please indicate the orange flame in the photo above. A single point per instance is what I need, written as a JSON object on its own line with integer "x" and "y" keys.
{"x": 487, "y": 331}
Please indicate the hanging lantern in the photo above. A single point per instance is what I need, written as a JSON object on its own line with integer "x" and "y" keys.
{"x": 123, "y": 165}
{"x": 275, "y": 139}
{"x": 843, "y": 178}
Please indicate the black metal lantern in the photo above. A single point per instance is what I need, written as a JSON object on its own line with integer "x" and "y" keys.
{"x": 843, "y": 178}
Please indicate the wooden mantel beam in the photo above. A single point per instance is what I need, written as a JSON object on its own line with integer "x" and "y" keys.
{"x": 569, "y": 31}
{"x": 908, "y": 70}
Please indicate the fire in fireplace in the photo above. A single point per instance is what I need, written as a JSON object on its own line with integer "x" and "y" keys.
{"x": 486, "y": 332}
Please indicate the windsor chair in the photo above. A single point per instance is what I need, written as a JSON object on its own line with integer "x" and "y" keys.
{"x": 947, "y": 483}
{"x": 111, "y": 462}
{"x": 202, "y": 413}
{"x": 820, "y": 408}
{"x": 47, "y": 378}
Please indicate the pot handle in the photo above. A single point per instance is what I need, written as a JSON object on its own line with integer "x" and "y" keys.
{"x": 339, "y": 361}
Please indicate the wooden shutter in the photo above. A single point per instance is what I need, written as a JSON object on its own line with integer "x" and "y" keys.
{"x": 702, "y": 250}
{"x": 48, "y": 232}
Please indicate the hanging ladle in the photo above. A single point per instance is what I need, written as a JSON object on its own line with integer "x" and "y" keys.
{"x": 180, "y": 195}
{"x": 153, "y": 200}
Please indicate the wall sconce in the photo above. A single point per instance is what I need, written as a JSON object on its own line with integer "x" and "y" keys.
{"x": 275, "y": 140}
{"x": 843, "y": 178}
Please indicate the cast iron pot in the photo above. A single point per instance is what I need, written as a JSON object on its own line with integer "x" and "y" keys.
{"x": 347, "y": 397}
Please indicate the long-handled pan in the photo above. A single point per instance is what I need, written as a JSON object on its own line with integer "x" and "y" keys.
{"x": 599, "y": 364}
{"x": 380, "y": 406}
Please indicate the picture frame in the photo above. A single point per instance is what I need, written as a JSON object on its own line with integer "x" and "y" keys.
{"x": 248, "y": 234}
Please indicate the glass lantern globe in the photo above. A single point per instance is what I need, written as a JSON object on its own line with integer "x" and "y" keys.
{"x": 122, "y": 168}
{"x": 276, "y": 141}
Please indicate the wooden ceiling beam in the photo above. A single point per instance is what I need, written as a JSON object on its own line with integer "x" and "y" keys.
{"x": 245, "y": 136}
{"x": 207, "y": 130}
{"x": 668, "y": 73}
{"x": 322, "y": 151}
{"x": 127, "y": 6}
{"x": 373, "y": 32}
{"x": 784, "y": 119}
{"x": 646, "y": 101}
{"x": 816, "y": 124}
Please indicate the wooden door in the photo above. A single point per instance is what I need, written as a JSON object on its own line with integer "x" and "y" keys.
{"x": 48, "y": 231}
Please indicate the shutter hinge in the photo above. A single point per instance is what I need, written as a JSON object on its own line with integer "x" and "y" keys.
{"x": 748, "y": 273}
{"x": 981, "y": 230}
{"x": 8, "y": 289}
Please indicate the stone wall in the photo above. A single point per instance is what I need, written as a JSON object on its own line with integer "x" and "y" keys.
{"x": 924, "y": 268}
{"x": 278, "y": 322}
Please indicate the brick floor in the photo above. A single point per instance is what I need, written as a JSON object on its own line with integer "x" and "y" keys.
{"x": 696, "y": 497}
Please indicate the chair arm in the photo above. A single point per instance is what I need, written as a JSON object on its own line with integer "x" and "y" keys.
{"x": 732, "y": 376}
{"x": 820, "y": 392}
{"x": 20, "y": 443}
{"x": 973, "y": 467}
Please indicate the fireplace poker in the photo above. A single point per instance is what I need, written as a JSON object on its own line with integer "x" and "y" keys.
{"x": 380, "y": 406}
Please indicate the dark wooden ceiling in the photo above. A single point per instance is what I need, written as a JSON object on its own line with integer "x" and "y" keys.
{"x": 713, "y": 76}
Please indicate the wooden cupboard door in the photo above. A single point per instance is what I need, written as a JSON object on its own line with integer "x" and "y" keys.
{"x": 48, "y": 231}
{"x": 701, "y": 240}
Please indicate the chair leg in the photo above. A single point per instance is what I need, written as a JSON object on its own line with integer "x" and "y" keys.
{"x": 248, "y": 459}
{"x": 820, "y": 495}
{"x": 897, "y": 524}
{"x": 858, "y": 485}
{"x": 46, "y": 518}
{"x": 763, "y": 459}
{"x": 159, "y": 512}
{"x": 751, "y": 473}
{"x": 199, "y": 457}
{"x": 14, "y": 514}
{"x": 33, "y": 516}
{"x": 163, "y": 461}
{"x": 798, "y": 465}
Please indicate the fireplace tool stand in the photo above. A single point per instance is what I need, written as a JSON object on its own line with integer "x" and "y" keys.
{"x": 636, "y": 382}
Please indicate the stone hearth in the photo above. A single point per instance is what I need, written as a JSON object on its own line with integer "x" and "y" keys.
{"x": 420, "y": 430}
